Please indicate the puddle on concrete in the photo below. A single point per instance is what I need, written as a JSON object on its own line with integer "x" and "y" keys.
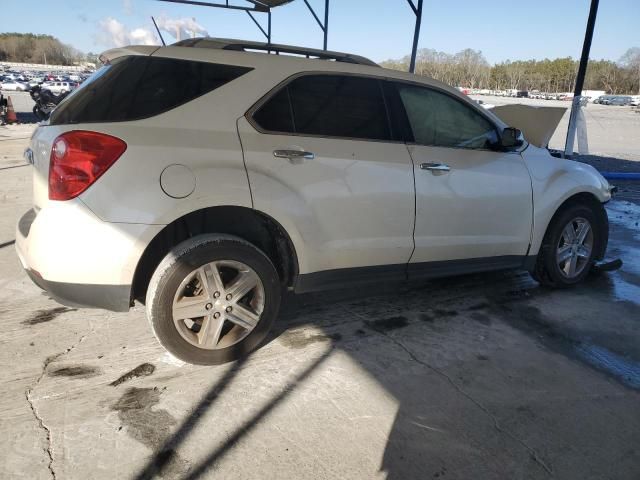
{"x": 143, "y": 370}
{"x": 626, "y": 214}
{"x": 43, "y": 316}
{"x": 624, "y": 369}
{"x": 391, "y": 323}
{"x": 75, "y": 371}
{"x": 151, "y": 427}
{"x": 531, "y": 320}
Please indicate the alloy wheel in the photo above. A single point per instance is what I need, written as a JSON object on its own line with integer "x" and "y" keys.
{"x": 218, "y": 304}
{"x": 573, "y": 252}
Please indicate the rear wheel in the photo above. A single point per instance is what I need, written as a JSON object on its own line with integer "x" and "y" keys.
{"x": 569, "y": 247}
{"x": 213, "y": 299}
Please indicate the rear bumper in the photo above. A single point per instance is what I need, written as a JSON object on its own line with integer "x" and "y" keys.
{"x": 108, "y": 297}
{"x": 79, "y": 259}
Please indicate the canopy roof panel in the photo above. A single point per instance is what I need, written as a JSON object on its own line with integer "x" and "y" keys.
{"x": 270, "y": 3}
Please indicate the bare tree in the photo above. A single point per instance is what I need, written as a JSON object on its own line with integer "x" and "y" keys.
{"x": 631, "y": 60}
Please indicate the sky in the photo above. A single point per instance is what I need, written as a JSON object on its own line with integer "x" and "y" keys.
{"x": 378, "y": 29}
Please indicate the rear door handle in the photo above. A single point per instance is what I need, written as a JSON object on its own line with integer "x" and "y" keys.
{"x": 294, "y": 154}
{"x": 438, "y": 167}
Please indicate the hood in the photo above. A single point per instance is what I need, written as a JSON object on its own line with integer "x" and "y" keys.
{"x": 537, "y": 123}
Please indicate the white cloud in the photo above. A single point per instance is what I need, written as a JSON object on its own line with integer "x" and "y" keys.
{"x": 181, "y": 28}
{"x": 115, "y": 34}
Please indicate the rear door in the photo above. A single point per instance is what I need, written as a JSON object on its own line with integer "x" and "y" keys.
{"x": 473, "y": 203}
{"x": 346, "y": 189}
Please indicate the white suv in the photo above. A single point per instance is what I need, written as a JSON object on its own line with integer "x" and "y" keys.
{"x": 203, "y": 180}
{"x": 58, "y": 87}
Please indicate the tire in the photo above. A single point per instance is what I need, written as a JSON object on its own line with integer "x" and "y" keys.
{"x": 549, "y": 271}
{"x": 180, "y": 275}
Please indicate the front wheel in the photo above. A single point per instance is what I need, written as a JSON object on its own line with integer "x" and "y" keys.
{"x": 569, "y": 247}
{"x": 213, "y": 299}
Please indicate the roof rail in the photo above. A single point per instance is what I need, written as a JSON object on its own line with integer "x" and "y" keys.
{"x": 274, "y": 48}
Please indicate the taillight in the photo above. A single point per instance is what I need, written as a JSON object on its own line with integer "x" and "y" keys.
{"x": 79, "y": 158}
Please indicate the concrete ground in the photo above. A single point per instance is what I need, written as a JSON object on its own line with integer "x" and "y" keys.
{"x": 482, "y": 376}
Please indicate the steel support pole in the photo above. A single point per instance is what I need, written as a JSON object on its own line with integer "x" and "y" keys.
{"x": 416, "y": 36}
{"x": 326, "y": 22}
{"x": 582, "y": 70}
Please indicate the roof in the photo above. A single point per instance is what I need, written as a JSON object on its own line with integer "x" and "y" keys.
{"x": 274, "y": 48}
{"x": 270, "y": 3}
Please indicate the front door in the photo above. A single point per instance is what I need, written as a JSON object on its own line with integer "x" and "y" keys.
{"x": 473, "y": 203}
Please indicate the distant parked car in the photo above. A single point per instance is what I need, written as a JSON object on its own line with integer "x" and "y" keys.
{"x": 635, "y": 100}
{"x": 15, "y": 86}
{"x": 620, "y": 100}
{"x": 522, "y": 94}
{"x": 604, "y": 99}
{"x": 485, "y": 104}
{"x": 58, "y": 87}
{"x": 33, "y": 82}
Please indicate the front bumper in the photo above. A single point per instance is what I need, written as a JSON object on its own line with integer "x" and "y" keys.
{"x": 79, "y": 259}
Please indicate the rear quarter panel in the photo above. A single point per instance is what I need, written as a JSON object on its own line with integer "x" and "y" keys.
{"x": 200, "y": 135}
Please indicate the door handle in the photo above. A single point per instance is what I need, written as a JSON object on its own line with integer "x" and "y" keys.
{"x": 293, "y": 154}
{"x": 438, "y": 167}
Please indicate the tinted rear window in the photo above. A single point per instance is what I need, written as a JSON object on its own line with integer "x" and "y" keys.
{"x": 136, "y": 87}
{"x": 328, "y": 105}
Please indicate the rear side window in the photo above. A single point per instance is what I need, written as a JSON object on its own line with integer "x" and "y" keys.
{"x": 136, "y": 87}
{"x": 328, "y": 105}
{"x": 275, "y": 115}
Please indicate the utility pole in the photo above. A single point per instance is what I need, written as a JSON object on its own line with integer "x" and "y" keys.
{"x": 582, "y": 70}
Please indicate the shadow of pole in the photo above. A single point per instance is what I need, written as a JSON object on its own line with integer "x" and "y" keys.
{"x": 164, "y": 454}
{"x": 248, "y": 425}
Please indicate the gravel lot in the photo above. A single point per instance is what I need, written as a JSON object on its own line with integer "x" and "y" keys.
{"x": 612, "y": 131}
{"x": 482, "y": 376}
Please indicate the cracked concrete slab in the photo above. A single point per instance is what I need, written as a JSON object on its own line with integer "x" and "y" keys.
{"x": 482, "y": 376}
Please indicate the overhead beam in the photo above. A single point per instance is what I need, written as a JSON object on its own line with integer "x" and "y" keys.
{"x": 258, "y": 7}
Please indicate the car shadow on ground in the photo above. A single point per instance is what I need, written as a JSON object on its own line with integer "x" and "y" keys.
{"x": 442, "y": 336}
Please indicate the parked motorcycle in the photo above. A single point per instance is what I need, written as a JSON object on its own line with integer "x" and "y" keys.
{"x": 46, "y": 101}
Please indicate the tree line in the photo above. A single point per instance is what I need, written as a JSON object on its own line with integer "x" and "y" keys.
{"x": 470, "y": 69}
{"x": 32, "y": 48}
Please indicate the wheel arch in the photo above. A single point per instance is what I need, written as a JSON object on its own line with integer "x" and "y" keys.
{"x": 580, "y": 198}
{"x": 254, "y": 226}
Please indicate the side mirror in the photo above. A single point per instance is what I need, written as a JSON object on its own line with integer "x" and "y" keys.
{"x": 511, "y": 138}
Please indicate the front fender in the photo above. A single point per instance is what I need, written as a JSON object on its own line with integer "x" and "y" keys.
{"x": 554, "y": 181}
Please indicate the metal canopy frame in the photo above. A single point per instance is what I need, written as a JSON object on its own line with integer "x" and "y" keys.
{"x": 257, "y": 7}
{"x": 265, "y": 6}
{"x": 323, "y": 26}
{"x": 417, "y": 10}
